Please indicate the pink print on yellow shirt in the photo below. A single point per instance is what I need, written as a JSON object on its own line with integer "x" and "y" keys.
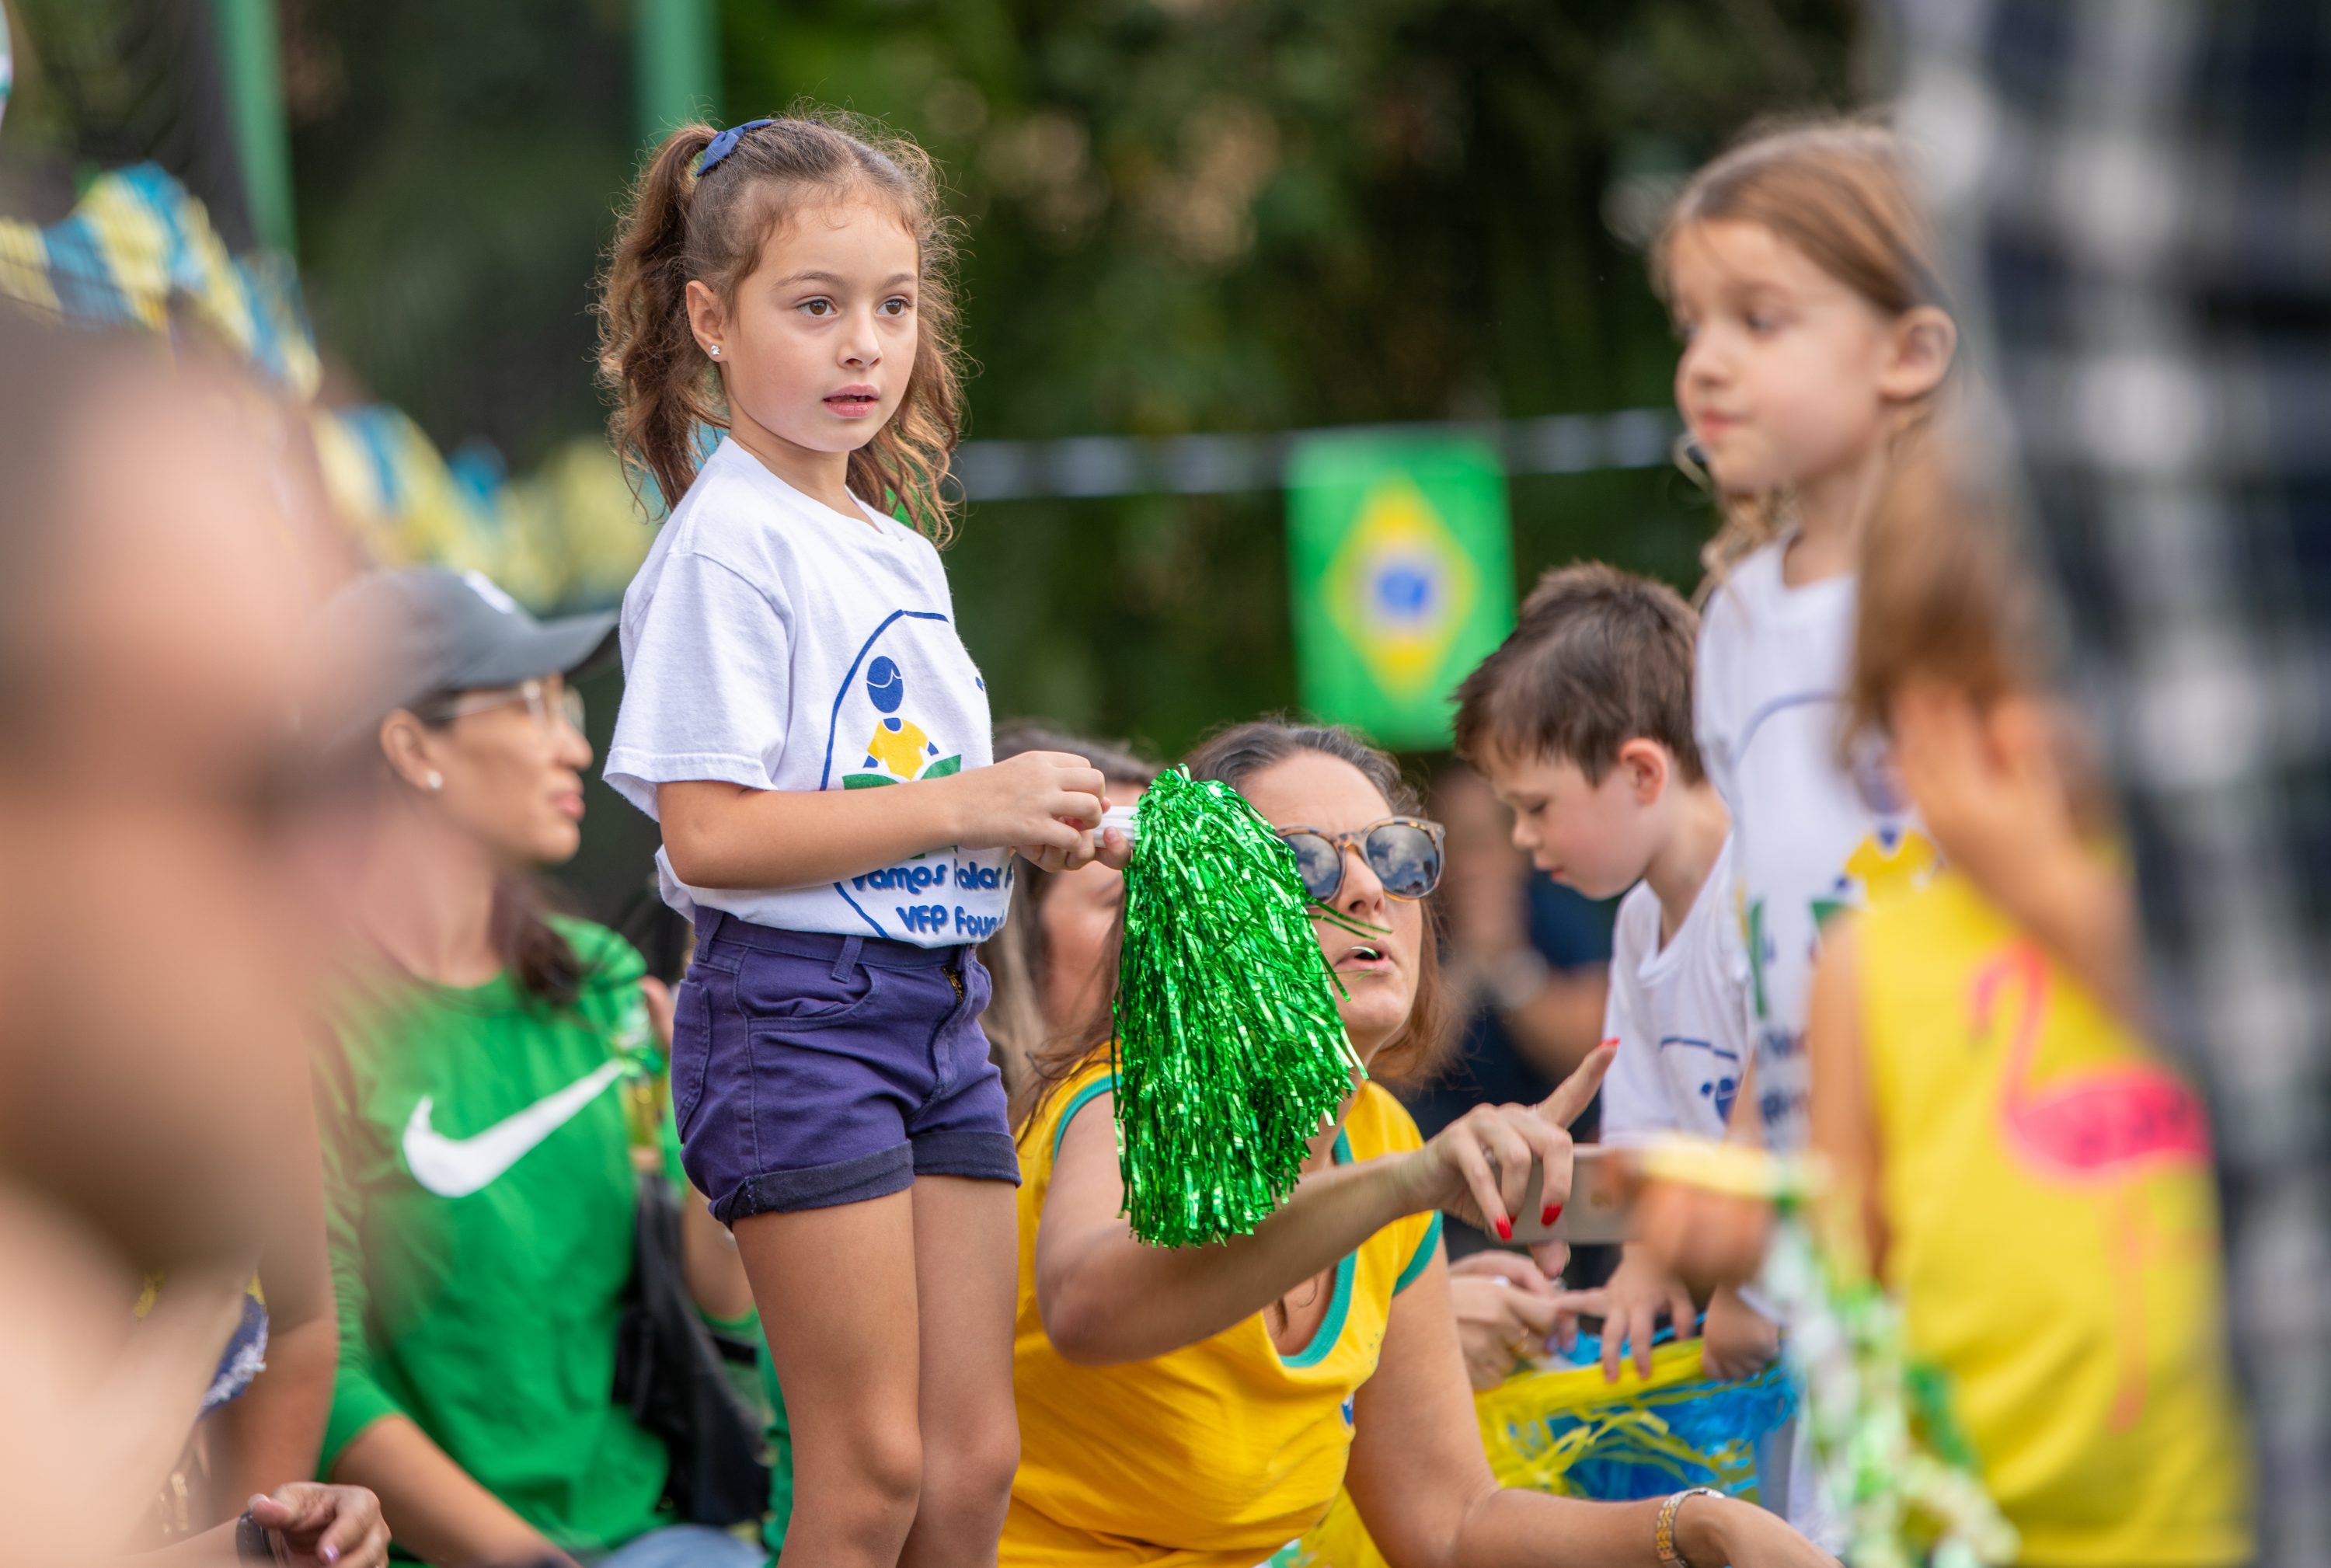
{"x": 2093, "y": 1127}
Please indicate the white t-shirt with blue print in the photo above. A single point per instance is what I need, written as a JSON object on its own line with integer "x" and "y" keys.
{"x": 772, "y": 643}
{"x": 1679, "y": 1014}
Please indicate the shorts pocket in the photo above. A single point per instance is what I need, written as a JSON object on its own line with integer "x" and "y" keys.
{"x": 691, "y": 1050}
{"x": 804, "y": 994}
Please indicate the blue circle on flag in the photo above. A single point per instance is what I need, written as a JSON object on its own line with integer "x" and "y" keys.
{"x": 1405, "y": 590}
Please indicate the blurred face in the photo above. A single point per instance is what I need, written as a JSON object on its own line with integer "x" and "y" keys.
{"x": 156, "y": 948}
{"x": 1079, "y": 911}
{"x": 1596, "y": 837}
{"x": 1378, "y": 969}
{"x": 513, "y": 773}
{"x": 816, "y": 347}
{"x": 1786, "y": 374}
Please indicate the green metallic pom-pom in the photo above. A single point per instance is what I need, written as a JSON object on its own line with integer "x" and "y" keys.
{"x": 1229, "y": 1054}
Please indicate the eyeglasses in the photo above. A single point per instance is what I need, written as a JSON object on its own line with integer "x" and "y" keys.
{"x": 545, "y": 708}
{"x": 1404, "y": 853}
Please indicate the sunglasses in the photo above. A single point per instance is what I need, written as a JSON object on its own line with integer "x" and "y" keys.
{"x": 1404, "y": 853}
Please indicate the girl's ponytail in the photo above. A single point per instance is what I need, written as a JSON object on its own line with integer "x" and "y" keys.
{"x": 647, "y": 355}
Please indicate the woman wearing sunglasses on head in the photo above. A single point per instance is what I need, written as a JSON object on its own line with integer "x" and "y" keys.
{"x": 1200, "y": 1408}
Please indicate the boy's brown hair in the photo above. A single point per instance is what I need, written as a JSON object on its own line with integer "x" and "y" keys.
{"x": 1599, "y": 658}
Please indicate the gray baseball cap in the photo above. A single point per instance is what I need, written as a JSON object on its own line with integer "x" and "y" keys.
{"x": 389, "y": 639}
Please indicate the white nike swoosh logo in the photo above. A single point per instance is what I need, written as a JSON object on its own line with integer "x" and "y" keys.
{"x": 457, "y": 1167}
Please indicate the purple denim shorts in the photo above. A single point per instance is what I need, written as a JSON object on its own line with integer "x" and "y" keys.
{"x": 811, "y": 1070}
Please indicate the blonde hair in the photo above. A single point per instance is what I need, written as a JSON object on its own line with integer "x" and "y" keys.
{"x": 681, "y": 226}
{"x": 1836, "y": 191}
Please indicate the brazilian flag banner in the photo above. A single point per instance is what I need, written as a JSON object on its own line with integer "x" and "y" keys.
{"x": 1400, "y": 565}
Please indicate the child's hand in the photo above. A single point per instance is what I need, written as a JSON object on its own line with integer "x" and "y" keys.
{"x": 1112, "y": 848}
{"x": 1706, "y": 1238}
{"x": 1050, "y": 858}
{"x": 1739, "y": 1341}
{"x": 1505, "y": 1310}
{"x": 1044, "y": 804}
{"x": 1632, "y": 1298}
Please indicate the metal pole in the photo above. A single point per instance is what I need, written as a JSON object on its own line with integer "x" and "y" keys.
{"x": 255, "y": 84}
{"x": 679, "y": 56}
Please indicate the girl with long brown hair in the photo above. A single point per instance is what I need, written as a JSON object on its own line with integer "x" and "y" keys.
{"x": 801, "y": 717}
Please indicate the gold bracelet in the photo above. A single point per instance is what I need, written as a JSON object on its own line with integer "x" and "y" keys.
{"x": 1664, "y": 1533}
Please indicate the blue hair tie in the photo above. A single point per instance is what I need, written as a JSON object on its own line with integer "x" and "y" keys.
{"x": 725, "y": 143}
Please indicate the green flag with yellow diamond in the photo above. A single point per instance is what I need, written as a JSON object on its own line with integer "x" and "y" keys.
{"x": 1403, "y": 574}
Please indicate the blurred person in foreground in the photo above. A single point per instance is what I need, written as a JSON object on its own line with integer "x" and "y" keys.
{"x": 1050, "y": 962}
{"x": 2004, "y": 1150}
{"x": 1204, "y": 1405}
{"x": 2131, "y": 194}
{"x": 152, "y": 1068}
{"x": 478, "y": 1109}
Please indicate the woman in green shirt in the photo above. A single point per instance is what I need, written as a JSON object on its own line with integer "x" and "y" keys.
{"x": 476, "y": 1107}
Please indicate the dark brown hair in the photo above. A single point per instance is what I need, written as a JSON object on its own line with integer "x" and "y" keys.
{"x": 712, "y": 229}
{"x": 1835, "y": 191}
{"x": 1234, "y": 756}
{"x": 1018, "y": 958}
{"x": 1599, "y": 658}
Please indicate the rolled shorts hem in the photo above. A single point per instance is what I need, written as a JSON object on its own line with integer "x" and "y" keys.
{"x": 956, "y": 1152}
{"x": 853, "y": 1181}
{"x": 968, "y": 1152}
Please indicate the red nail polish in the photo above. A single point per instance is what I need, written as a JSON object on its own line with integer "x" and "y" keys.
{"x": 1553, "y": 1212}
{"x": 1505, "y": 1229}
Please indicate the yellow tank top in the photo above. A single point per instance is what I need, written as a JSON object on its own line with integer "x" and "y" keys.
{"x": 2053, "y": 1236}
{"x": 1217, "y": 1454}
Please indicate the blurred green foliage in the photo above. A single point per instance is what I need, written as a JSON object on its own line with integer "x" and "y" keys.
{"x": 1180, "y": 215}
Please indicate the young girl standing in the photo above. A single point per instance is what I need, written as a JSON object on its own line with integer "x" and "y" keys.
{"x": 801, "y": 718}
{"x": 1815, "y": 340}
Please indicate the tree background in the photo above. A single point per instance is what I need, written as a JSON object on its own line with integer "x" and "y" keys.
{"x": 1180, "y": 215}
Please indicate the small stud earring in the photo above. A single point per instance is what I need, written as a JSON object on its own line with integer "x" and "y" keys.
{"x": 436, "y": 780}
{"x": 714, "y": 351}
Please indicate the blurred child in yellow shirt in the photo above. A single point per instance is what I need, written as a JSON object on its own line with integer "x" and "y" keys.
{"x": 2009, "y": 1154}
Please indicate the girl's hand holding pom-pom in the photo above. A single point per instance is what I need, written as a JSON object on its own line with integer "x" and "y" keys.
{"x": 1044, "y": 804}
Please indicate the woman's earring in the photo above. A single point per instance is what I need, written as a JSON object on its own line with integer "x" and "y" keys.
{"x": 714, "y": 350}
{"x": 436, "y": 780}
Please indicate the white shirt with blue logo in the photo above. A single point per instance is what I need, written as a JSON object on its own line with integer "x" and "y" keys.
{"x": 772, "y": 643}
{"x": 1678, "y": 1014}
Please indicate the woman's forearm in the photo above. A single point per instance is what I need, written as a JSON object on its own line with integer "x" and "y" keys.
{"x": 434, "y": 1509}
{"x": 1511, "y": 1528}
{"x": 723, "y": 835}
{"x": 1107, "y": 1297}
{"x": 1517, "y": 1529}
